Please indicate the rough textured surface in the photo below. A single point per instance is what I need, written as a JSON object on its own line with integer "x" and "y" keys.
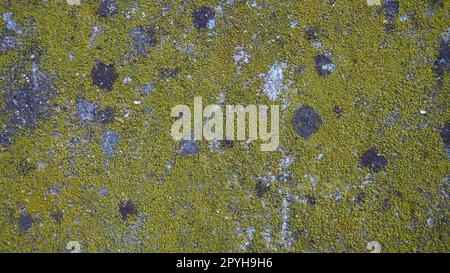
{"x": 86, "y": 154}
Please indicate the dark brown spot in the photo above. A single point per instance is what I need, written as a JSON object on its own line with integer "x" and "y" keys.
{"x": 360, "y": 198}
{"x": 310, "y": 200}
{"x": 372, "y": 160}
{"x": 445, "y": 134}
{"x": 57, "y": 216}
{"x": 261, "y": 188}
{"x": 306, "y": 121}
{"x": 104, "y": 75}
{"x": 227, "y": 144}
{"x": 127, "y": 209}
{"x": 201, "y": 17}
{"x": 25, "y": 222}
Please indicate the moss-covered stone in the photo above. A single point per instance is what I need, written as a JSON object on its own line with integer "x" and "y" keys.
{"x": 310, "y": 195}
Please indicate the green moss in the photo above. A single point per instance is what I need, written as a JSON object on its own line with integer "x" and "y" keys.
{"x": 199, "y": 203}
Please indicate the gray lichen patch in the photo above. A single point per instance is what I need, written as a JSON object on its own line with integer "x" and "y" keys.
{"x": 86, "y": 111}
{"x": 8, "y": 42}
{"x": 91, "y": 112}
{"x": 143, "y": 38}
{"x": 32, "y": 100}
{"x": 110, "y": 142}
{"x": 103, "y": 171}
{"x": 107, "y": 8}
{"x": 188, "y": 147}
{"x": 6, "y": 136}
{"x": 274, "y": 84}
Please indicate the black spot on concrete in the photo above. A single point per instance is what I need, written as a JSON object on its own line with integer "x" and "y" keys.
{"x": 25, "y": 222}
{"x": 167, "y": 72}
{"x": 104, "y": 75}
{"x": 386, "y": 204}
{"x": 142, "y": 39}
{"x": 105, "y": 116}
{"x": 372, "y": 160}
{"x": 324, "y": 65}
{"x": 127, "y": 209}
{"x": 107, "y": 8}
{"x": 57, "y": 216}
{"x": 338, "y": 111}
{"x": 312, "y": 34}
{"x": 188, "y": 147}
{"x": 445, "y": 134}
{"x": 442, "y": 63}
{"x": 306, "y": 121}
{"x": 391, "y": 9}
{"x": 227, "y": 144}
{"x": 201, "y": 17}
{"x": 311, "y": 200}
{"x": 261, "y": 188}
{"x": 360, "y": 198}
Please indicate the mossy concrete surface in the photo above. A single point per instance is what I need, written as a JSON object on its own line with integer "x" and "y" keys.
{"x": 86, "y": 153}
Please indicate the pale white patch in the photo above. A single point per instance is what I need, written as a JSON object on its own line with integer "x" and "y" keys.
{"x": 294, "y": 23}
{"x": 286, "y": 236}
{"x": 374, "y": 2}
{"x": 240, "y": 57}
{"x": 446, "y": 35}
{"x": 374, "y": 247}
{"x": 287, "y": 161}
{"x": 273, "y": 82}
{"x": 74, "y": 2}
{"x": 127, "y": 80}
{"x": 211, "y": 23}
{"x": 329, "y": 67}
{"x": 73, "y": 247}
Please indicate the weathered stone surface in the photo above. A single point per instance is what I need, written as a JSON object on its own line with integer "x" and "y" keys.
{"x": 88, "y": 162}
